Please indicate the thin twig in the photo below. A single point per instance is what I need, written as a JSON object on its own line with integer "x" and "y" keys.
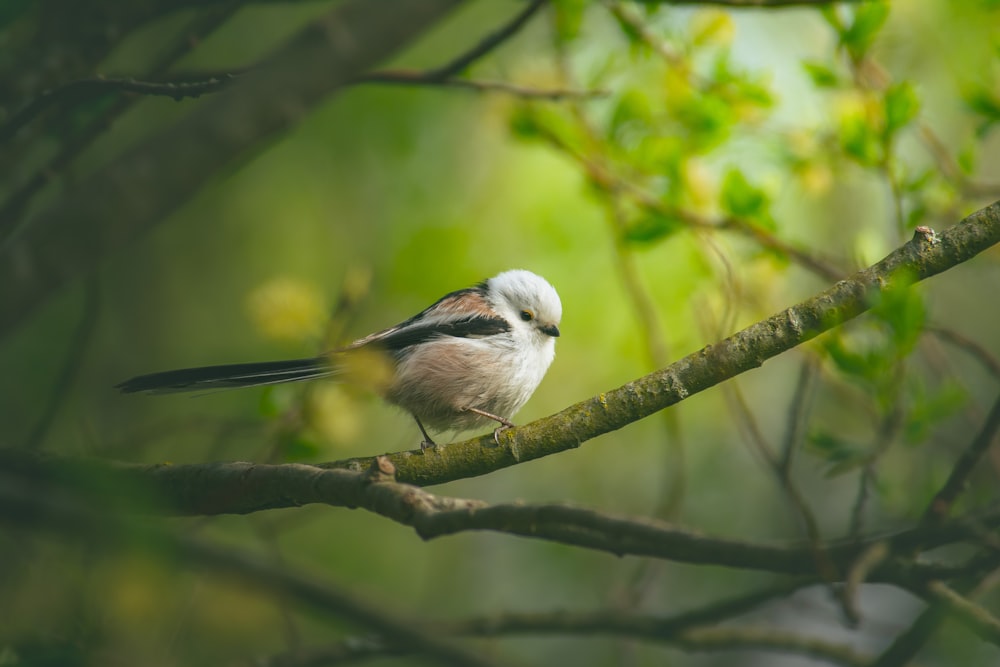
{"x": 16, "y": 203}
{"x": 420, "y": 78}
{"x": 205, "y": 489}
{"x": 686, "y": 629}
{"x": 969, "y": 346}
{"x": 76, "y": 92}
{"x": 973, "y": 615}
{"x": 603, "y": 178}
{"x": 752, "y": 4}
{"x": 752, "y": 433}
{"x": 797, "y": 416}
{"x": 865, "y": 479}
{"x": 488, "y": 43}
{"x": 28, "y": 507}
{"x": 76, "y": 349}
{"x": 945, "y": 498}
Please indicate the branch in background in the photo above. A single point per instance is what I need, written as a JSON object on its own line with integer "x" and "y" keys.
{"x": 969, "y": 346}
{"x": 766, "y": 639}
{"x": 752, "y": 4}
{"x": 942, "y": 601}
{"x": 27, "y": 505}
{"x": 909, "y": 642}
{"x": 75, "y": 92}
{"x": 419, "y": 78}
{"x": 217, "y": 488}
{"x": 616, "y": 623}
{"x": 23, "y": 505}
{"x": 14, "y": 206}
{"x": 487, "y": 44}
{"x": 77, "y": 347}
{"x": 119, "y": 202}
{"x": 607, "y": 180}
{"x": 972, "y": 615}
{"x": 945, "y": 499}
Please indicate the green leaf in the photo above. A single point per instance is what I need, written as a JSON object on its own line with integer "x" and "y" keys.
{"x": 901, "y": 107}
{"x": 859, "y": 140}
{"x": 868, "y": 20}
{"x": 652, "y": 227}
{"x": 843, "y": 455}
{"x": 633, "y": 36}
{"x": 830, "y": 15}
{"x": 568, "y": 18}
{"x": 633, "y": 108}
{"x": 850, "y": 362}
{"x": 985, "y": 103}
{"x": 743, "y": 199}
{"x": 929, "y": 410}
{"x": 272, "y": 403}
{"x": 707, "y": 119}
{"x": 968, "y": 156}
{"x": 904, "y": 312}
{"x": 299, "y": 448}
{"x": 524, "y": 123}
{"x": 821, "y": 75}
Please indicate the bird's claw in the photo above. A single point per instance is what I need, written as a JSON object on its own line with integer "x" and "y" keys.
{"x": 500, "y": 429}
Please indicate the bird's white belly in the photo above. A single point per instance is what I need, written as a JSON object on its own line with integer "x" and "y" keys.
{"x": 439, "y": 380}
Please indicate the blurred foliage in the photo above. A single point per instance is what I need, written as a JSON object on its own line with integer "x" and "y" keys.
{"x": 668, "y": 212}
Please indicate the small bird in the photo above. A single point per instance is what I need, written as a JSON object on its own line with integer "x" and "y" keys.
{"x": 473, "y": 357}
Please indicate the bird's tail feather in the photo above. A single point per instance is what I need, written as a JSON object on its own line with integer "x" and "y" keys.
{"x": 230, "y": 375}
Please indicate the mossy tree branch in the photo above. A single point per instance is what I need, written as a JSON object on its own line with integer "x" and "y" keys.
{"x": 925, "y": 255}
{"x": 215, "y": 488}
{"x": 220, "y": 488}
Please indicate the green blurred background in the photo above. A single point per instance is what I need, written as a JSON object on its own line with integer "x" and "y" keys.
{"x": 385, "y": 198}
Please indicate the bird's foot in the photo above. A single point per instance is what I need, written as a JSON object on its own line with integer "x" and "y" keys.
{"x": 500, "y": 429}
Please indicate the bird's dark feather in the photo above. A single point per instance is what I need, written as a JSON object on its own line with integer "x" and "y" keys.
{"x": 473, "y": 327}
{"x": 228, "y": 375}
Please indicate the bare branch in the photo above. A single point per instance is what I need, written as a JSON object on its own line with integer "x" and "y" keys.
{"x": 975, "y": 616}
{"x": 487, "y": 45}
{"x": 217, "y": 488}
{"x": 82, "y": 90}
{"x": 752, "y": 4}
{"x": 418, "y": 78}
{"x": 25, "y": 506}
{"x": 683, "y": 629}
{"x": 767, "y": 639}
{"x": 117, "y": 203}
{"x": 77, "y": 346}
{"x": 604, "y": 178}
{"x": 946, "y": 497}
{"x": 969, "y": 346}
{"x": 75, "y": 92}
{"x": 15, "y": 205}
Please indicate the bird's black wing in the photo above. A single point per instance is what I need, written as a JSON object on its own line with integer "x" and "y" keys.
{"x": 462, "y": 314}
{"x": 473, "y": 327}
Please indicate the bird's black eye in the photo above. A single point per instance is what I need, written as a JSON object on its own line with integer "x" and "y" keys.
{"x": 527, "y": 315}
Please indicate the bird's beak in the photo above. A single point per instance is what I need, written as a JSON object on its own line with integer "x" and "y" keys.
{"x": 551, "y": 330}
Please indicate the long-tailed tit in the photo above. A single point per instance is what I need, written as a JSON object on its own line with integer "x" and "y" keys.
{"x": 474, "y": 356}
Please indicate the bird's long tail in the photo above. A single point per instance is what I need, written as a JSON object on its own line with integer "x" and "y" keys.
{"x": 230, "y": 375}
